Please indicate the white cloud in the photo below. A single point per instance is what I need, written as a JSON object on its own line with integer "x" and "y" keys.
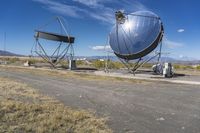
{"x": 101, "y": 47}
{"x": 180, "y": 30}
{"x": 181, "y": 56}
{"x": 172, "y": 44}
{"x": 88, "y": 2}
{"x": 61, "y": 8}
{"x": 96, "y": 9}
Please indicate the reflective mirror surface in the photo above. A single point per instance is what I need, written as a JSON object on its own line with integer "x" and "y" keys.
{"x": 137, "y": 36}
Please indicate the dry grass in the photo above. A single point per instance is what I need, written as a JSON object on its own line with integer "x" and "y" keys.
{"x": 23, "y": 109}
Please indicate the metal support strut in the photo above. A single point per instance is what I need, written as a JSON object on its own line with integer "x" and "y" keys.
{"x": 63, "y": 50}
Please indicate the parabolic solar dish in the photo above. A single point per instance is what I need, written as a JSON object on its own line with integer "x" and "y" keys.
{"x": 135, "y": 35}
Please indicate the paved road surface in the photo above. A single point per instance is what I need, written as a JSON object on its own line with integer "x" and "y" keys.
{"x": 131, "y": 107}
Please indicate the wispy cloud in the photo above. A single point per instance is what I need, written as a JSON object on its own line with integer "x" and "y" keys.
{"x": 180, "y": 30}
{"x": 172, "y": 44}
{"x": 61, "y": 8}
{"x": 102, "y": 10}
{"x": 89, "y": 2}
{"x": 101, "y": 47}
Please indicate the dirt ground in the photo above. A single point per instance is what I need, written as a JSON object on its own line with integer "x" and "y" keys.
{"x": 133, "y": 107}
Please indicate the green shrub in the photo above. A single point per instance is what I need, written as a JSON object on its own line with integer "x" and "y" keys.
{"x": 64, "y": 64}
{"x": 13, "y": 60}
{"x": 115, "y": 65}
{"x": 98, "y": 64}
{"x": 32, "y": 61}
{"x": 198, "y": 67}
{"x": 79, "y": 63}
{"x": 184, "y": 67}
{"x": 147, "y": 65}
{"x": 110, "y": 64}
{"x": 187, "y": 67}
{"x": 177, "y": 66}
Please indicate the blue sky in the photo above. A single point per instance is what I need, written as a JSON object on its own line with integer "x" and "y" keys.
{"x": 90, "y": 21}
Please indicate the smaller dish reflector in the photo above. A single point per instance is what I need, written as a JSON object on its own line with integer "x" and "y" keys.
{"x": 54, "y": 37}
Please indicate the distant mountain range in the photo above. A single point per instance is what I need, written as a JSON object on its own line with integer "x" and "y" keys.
{"x": 183, "y": 60}
{"x": 7, "y": 53}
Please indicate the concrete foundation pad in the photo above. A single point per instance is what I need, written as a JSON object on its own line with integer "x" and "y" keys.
{"x": 148, "y": 77}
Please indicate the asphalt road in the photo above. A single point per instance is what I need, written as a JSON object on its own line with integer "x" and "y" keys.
{"x": 130, "y": 107}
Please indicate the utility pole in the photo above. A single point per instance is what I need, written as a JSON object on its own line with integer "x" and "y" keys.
{"x": 4, "y": 43}
{"x": 5, "y": 62}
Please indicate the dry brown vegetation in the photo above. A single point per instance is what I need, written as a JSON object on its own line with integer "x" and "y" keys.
{"x": 23, "y": 109}
{"x": 18, "y": 61}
